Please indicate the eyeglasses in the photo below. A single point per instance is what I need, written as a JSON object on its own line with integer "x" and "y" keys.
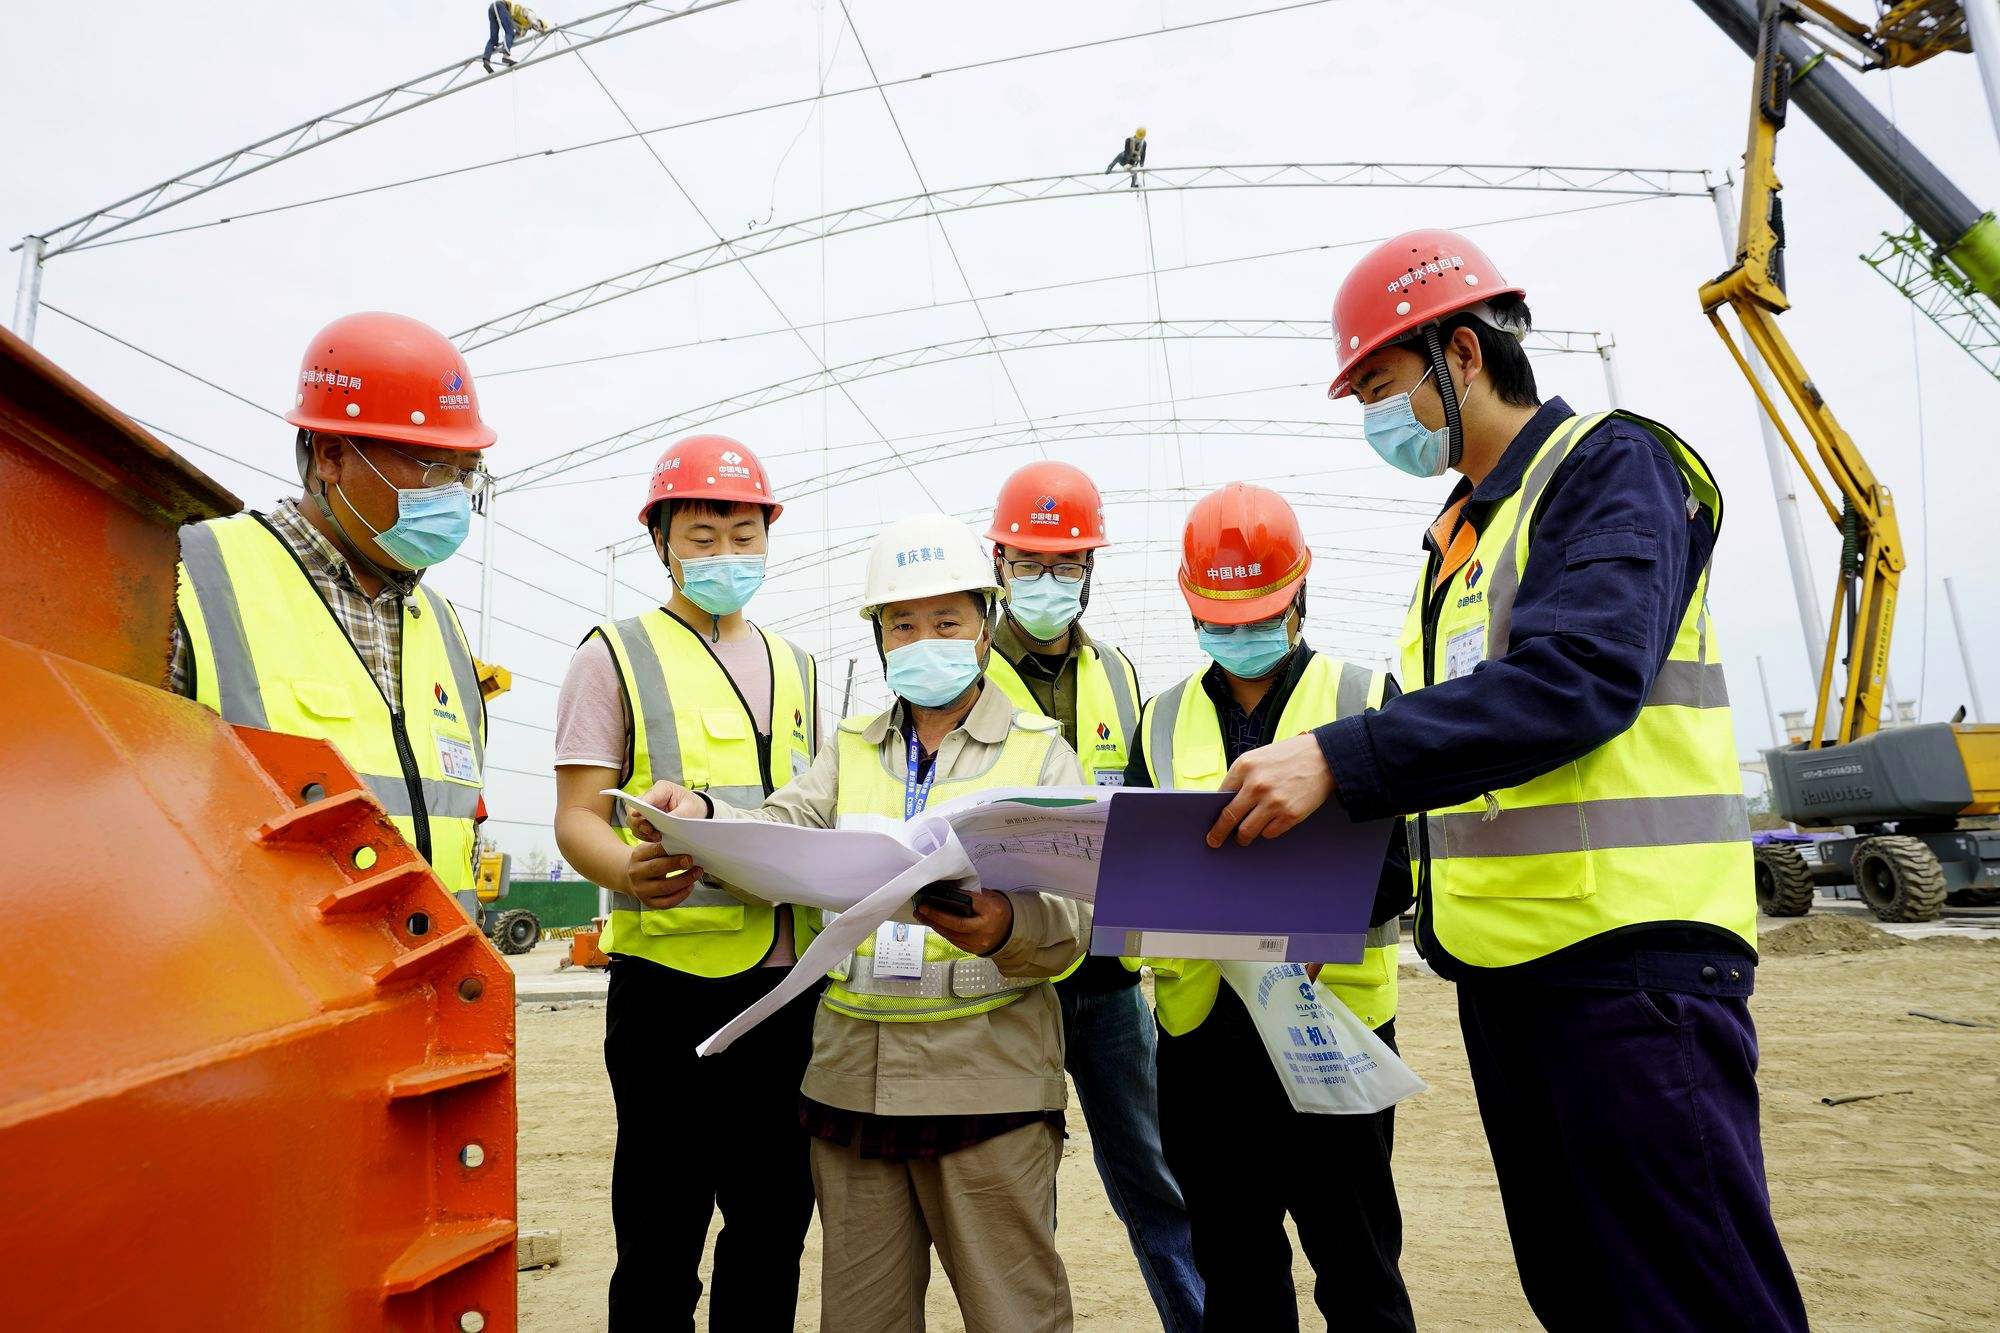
{"x": 1224, "y": 631}
{"x": 476, "y": 479}
{"x": 1066, "y": 572}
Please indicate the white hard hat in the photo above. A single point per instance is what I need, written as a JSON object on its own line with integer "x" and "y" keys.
{"x": 923, "y": 557}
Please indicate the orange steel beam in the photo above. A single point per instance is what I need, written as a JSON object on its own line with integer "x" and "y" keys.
{"x": 268, "y": 1082}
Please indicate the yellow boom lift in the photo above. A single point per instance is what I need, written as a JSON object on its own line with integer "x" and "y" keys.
{"x": 1918, "y": 798}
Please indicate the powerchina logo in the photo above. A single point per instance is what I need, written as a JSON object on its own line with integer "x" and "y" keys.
{"x": 1473, "y": 573}
{"x": 1045, "y": 512}
{"x": 1107, "y": 740}
{"x": 443, "y": 709}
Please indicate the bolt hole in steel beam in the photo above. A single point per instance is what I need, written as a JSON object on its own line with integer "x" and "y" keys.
{"x": 418, "y": 924}
{"x": 364, "y": 858}
{"x": 472, "y": 1156}
{"x": 471, "y": 989}
{"x": 311, "y": 793}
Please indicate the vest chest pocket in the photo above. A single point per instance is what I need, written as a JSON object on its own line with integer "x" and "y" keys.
{"x": 327, "y": 699}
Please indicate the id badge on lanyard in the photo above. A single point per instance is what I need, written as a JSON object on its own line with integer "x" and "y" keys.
{"x": 899, "y": 948}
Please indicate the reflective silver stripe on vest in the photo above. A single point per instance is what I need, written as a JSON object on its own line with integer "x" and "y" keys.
{"x": 705, "y": 894}
{"x": 1689, "y": 685}
{"x": 1351, "y": 697}
{"x": 1507, "y": 574}
{"x": 743, "y": 798}
{"x": 1160, "y": 745}
{"x": 235, "y": 671}
{"x": 962, "y": 978}
{"x": 1384, "y": 935}
{"x": 663, "y": 737}
{"x": 464, "y": 678}
{"x": 1636, "y": 821}
{"x": 1113, "y": 666}
{"x": 442, "y": 800}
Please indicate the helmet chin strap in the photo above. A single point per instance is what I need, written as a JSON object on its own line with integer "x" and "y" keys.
{"x": 1447, "y": 396}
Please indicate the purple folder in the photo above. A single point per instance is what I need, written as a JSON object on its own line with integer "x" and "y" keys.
{"x": 1163, "y": 891}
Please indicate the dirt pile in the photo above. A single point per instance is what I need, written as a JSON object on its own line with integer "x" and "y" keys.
{"x": 1823, "y": 934}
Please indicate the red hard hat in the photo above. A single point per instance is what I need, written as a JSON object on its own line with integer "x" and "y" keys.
{"x": 1242, "y": 555}
{"x": 388, "y": 377}
{"x": 710, "y": 467}
{"x": 1402, "y": 285}
{"x": 1048, "y": 506}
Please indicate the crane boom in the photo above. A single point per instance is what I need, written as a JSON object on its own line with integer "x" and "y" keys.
{"x": 1967, "y": 236}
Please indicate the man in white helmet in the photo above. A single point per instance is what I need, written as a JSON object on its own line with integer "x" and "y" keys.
{"x": 935, "y": 1094}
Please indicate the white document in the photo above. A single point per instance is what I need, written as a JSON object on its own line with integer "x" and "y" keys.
{"x": 842, "y": 935}
{"x": 1328, "y": 1060}
{"x": 1021, "y": 840}
{"x": 1018, "y": 839}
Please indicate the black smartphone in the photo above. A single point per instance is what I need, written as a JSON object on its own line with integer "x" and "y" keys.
{"x": 952, "y": 902}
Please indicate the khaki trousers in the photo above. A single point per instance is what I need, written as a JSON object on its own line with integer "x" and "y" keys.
{"x": 990, "y": 1211}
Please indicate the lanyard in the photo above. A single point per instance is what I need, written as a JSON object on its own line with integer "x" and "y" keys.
{"x": 916, "y": 795}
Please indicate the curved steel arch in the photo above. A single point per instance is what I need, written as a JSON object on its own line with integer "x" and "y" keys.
{"x": 1544, "y": 341}
{"x": 1021, "y": 437}
{"x": 1639, "y": 182}
{"x": 343, "y": 121}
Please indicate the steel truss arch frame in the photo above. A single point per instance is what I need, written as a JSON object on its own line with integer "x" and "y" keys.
{"x": 1541, "y": 341}
{"x": 342, "y": 121}
{"x": 1639, "y": 182}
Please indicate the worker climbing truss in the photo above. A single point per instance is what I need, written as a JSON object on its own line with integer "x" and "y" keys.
{"x": 1635, "y": 182}
{"x": 534, "y": 48}
{"x": 1068, "y": 335}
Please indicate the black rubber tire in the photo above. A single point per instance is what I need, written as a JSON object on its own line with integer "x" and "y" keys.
{"x": 1899, "y": 878}
{"x": 517, "y": 931}
{"x": 1784, "y": 881}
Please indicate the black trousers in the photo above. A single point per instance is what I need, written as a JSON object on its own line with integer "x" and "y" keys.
{"x": 694, "y": 1135}
{"x": 1624, "y": 1130}
{"x": 1244, "y": 1158}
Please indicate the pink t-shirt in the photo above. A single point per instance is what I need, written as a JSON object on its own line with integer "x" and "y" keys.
{"x": 593, "y": 723}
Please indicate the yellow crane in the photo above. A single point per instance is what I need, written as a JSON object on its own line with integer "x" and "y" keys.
{"x": 1915, "y": 797}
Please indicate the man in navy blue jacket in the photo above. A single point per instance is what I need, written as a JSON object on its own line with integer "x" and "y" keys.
{"x": 1583, "y": 871}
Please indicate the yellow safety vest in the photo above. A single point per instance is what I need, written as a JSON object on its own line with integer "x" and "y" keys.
{"x": 1649, "y": 827}
{"x": 268, "y": 653}
{"x": 690, "y": 725}
{"x": 1184, "y": 752}
{"x": 954, "y": 984}
{"x": 1107, "y": 708}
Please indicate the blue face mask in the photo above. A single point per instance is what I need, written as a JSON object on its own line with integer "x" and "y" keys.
{"x": 431, "y": 522}
{"x": 933, "y": 672}
{"x": 1247, "y": 652}
{"x": 1043, "y": 606}
{"x": 722, "y": 584}
{"x": 1402, "y": 441}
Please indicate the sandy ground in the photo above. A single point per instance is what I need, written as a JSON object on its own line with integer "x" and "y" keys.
{"x": 1890, "y": 1207}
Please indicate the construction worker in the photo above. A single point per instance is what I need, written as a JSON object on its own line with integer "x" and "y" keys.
{"x": 1132, "y": 156}
{"x": 1232, "y": 1138}
{"x": 694, "y": 693}
{"x": 1047, "y": 526}
{"x": 1585, "y": 873}
{"x": 504, "y": 23}
{"x": 935, "y": 1093}
{"x": 312, "y": 619}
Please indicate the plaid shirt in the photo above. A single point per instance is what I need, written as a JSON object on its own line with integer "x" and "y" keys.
{"x": 912, "y": 1138}
{"x": 373, "y": 625}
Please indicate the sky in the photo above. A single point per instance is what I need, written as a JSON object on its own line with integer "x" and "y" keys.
{"x": 107, "y": 103}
